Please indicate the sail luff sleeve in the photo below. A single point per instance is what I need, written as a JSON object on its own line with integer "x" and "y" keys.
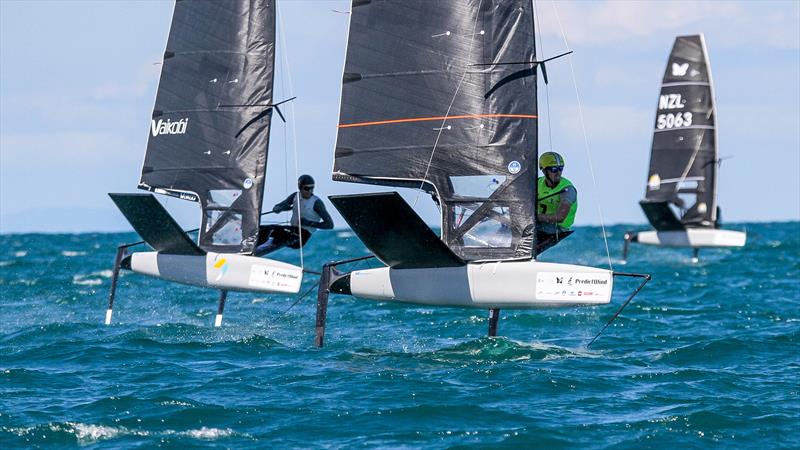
{"x": 417, "y": 110}
{"x": 218, "y": 53}
{"x": 683, "y": 155}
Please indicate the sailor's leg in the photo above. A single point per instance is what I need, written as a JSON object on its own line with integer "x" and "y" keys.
{"x": 295, "y": 240}
{"x": 266, "y": 247}
{"x": 494, "y": 316}
{"x": 222, "y": 296}
{"x": 277, "y": 238}
{"x": 695, "y": 255}
{"x": 121, "y": 250}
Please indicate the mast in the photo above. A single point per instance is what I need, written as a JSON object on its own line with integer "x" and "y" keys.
{"x": 532, "y": 231}
{"x": 209, "y": 132}
{"x": 716, "y": 159}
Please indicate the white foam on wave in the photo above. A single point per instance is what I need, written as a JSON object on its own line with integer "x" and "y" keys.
{"x": 344, "y": 234}
{"x": 6, "y": 263}
{"x": 20, "y": 254}
{"x": 207, "y": 433}
{"x": 87, "y": 433}
{"x": 92, "y": 279}
{"x": 19, "y": 431}
{"x": 71, "y": 253}
{"x": 175, "y": 403}
{"x": 92, "y": 433}
{"x": 85, "y": 280}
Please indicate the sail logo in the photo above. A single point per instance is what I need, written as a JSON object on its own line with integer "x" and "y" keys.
{"x": 671, "y": 101}
{"x": 222, "y": 266}
{"x": 168, "y": 127}
{"x": 679, "y": 70}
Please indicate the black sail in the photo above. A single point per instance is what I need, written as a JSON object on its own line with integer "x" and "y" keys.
{"x": 210, "y": 129}
{"x": 441, "y": 94}
{"x": 683, "y": 160}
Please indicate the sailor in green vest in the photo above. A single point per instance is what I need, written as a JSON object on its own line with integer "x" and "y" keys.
{"x": 557, "y": 199}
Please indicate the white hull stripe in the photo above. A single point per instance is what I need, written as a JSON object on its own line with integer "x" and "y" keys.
{"x": 687, "y": 83}
{"x": 691, "y": 127}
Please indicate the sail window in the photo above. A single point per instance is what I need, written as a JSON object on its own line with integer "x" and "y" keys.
{"x": 476, "y": 186}
{"x": 228, "y": 234}
{"x": 493, "y": 231}
{"x": 689, "y": 185}
{"x": 222, "y": 198}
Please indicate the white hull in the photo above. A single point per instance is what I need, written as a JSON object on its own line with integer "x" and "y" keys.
{"x": 693, "y": 237}
{"x": 510, "y": 284}
{"x": 223, "y": 271}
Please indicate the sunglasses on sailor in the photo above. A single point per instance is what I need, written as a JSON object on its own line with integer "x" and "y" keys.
{"x": 554, "y": 169}
{"x": 307, "y": 188}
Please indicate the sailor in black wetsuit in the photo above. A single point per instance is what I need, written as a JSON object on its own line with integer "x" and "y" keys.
{"x": 308, "y": 215}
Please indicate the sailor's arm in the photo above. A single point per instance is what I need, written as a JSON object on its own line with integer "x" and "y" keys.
{"x": 565, "y": 201}
{"x": 285, "y": 205}
{"x": 326, "y": 223}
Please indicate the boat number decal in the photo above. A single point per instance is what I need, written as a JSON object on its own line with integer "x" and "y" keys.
{"x": 248, "y": 183}
{"x": 677, "y": 120}
{"x": 514, "y": 166}
{"x": 671, "y": 101}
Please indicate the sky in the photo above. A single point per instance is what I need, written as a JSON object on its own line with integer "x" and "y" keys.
{"x": 78, "y": 82}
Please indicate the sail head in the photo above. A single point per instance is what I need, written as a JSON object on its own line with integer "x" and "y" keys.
{"x": 420, "y": 109}
{"x": 209, "y": 131}
{"x": 683, "y": 158}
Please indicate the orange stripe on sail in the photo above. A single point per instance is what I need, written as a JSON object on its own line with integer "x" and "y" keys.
{"x": 425, "y": 119}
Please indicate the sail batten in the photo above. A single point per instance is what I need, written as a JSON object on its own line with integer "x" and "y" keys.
{"x": 201, "y": 148}
{"x": 415, "y": 112}
{"x": 683, "y": 158}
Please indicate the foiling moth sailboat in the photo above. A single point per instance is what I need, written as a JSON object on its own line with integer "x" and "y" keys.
{"x": 681, "y": 195}
{"x": 440, "y": 96}
{"x": 208, "y": 142}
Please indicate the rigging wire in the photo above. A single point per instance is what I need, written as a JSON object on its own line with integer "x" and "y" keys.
{"x": 287, "y": 68}
{"x": 449, "y": 107}
{"x": 285, "y": 137}
{"x": 308, "y": 291}
{"x": 585, "y": 136}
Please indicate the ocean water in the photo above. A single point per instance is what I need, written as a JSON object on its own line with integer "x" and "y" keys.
{"x": 706, "y": 356}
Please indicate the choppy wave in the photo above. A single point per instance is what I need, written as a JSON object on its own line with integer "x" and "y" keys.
{"x": 87, "y": 433}
{"x": 705, "y": 356}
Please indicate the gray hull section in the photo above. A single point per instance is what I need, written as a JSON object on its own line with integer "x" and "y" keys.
{"x": 221, "y": 271}
{"x": 507, "y": 285}
{"x": 693, "y": 237}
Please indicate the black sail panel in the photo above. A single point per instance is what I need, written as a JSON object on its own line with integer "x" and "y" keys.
{"x": 683, "y": 159}
{"x": 210, "y": 131}
{"x": 428, "y": 94}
